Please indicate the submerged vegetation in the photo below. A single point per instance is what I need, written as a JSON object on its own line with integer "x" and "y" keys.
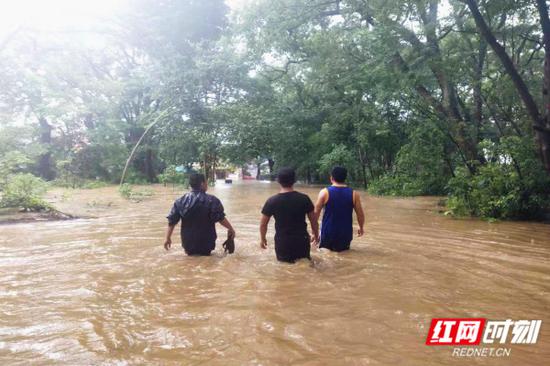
{"x": 24, "y": 191}
{"x": 134, "y": 195}
{"x": 420, "y": 97}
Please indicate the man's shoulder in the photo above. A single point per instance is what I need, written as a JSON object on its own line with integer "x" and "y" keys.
{"x": 302, "y": 195}
{"x": 272, "y": 199}
{"x": 211, "y": 198}
{"x": 202, "y": 197}
{"x": 180, "y": 199}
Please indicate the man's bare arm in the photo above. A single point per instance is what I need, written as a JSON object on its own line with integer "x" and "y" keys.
{"x": 314, "y": 227}
{"x": 360, "y": 214}
{"x": 168, "y": 241}
{"x": 321, "y": 202}
{"x": 263, "y": 230}
{"x": 230, "y": 231}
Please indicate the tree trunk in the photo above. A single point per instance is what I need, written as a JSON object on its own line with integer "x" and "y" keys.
{"x": 478, "y": 73}
{"x": 540, "y": 124}
{"x": 363, "y": 166}
{"x": 454, "y": 130}
{"x": 364, "y": 172}
{"x": 205, "y": 166}
{"x": 259, "y": 170}
{"x": 45, "y": 168}
{"x": 543, "y": 132}
{"x": 271, "y": 163}
{"x": 149, "y": 168}
{"x": 214, "y": 175}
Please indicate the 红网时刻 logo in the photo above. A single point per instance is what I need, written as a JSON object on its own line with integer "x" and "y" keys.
{"x": 462, "y": 332}
{"x": 473, "y": 331}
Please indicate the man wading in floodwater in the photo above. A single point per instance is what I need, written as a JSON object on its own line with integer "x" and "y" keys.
{"x": 198, "y": 213}
{"x": 339, "y": 202}
{"x": 290, "y": 208}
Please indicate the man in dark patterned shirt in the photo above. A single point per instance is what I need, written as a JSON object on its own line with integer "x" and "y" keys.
{"x": 198, "y": 212}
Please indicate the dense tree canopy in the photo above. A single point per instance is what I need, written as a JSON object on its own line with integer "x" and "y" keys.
{"x": 414, "y": 97}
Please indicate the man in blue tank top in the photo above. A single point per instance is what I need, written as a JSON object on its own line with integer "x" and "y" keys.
{"x": 339, "y": 202}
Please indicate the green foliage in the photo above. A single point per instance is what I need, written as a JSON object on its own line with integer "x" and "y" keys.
{"x": 403, "y": 94}
{"x": 493, "y": 192}
{"x": 102, "y": 160}
{"x": 172, "y": 176}
{"x": 396, "y": 185}
{"x": 511, "y": 185}
{"x": 66, "y": 176}
{"x": 135, "y": 177}
{"x": 94, "y": 184}
{"x": 339, "y": 155}
{"x": 24, "y": 191}
{"x": 126, "y": 190}
{"x": 12, "y": 162}
{"x": 69, "y": 175}
{"x": 419, "y": 167}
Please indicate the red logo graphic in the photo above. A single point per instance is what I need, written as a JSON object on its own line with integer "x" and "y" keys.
{"x": 455, "y": 331}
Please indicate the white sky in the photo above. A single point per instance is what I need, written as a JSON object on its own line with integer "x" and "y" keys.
{"x": 53, "y": 14}
{"x": 63, "y": 14}
{"x": 78, "y": 14}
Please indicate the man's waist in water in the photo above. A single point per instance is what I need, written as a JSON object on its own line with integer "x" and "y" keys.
{"x": 293, "y": 234}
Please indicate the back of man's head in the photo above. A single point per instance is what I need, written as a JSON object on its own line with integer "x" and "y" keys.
{"x": 286, "y": 177}
{"x": 196, "y": 180}
{"x": 339, "y": 174}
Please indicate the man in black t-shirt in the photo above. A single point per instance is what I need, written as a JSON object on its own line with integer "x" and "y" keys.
{"x": 198, "y": 212}
{"x": 290, "y": 208}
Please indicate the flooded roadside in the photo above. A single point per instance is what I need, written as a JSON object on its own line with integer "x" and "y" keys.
{"x": 103, "y": 290}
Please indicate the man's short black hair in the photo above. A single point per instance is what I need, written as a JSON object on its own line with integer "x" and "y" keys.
{"x": 339, "y": 174}
{"x": 286, "y": 177}
{"x": 196, "y": 180}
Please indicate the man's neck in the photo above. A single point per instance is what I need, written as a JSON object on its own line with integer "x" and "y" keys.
{"x": 287, "y": 189}
{"x": 339, "y": 185}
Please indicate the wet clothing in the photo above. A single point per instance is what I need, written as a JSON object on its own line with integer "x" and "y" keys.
{"x": 198, "y": 215}
{"x": 337, "y": 225}
{"x": 291, "y": 236}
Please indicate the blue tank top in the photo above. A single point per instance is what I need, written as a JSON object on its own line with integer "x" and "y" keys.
{"x": 338, "y": 216}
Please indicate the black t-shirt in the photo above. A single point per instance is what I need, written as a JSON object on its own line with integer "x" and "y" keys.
{"x": 198, "y": 232}
{"x": 289, "y": 209}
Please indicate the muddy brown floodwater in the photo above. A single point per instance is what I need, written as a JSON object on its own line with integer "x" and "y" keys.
{"x": 103, "y": 290}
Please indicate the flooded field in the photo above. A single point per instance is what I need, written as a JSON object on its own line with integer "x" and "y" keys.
{"x": 102, "y": 290}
